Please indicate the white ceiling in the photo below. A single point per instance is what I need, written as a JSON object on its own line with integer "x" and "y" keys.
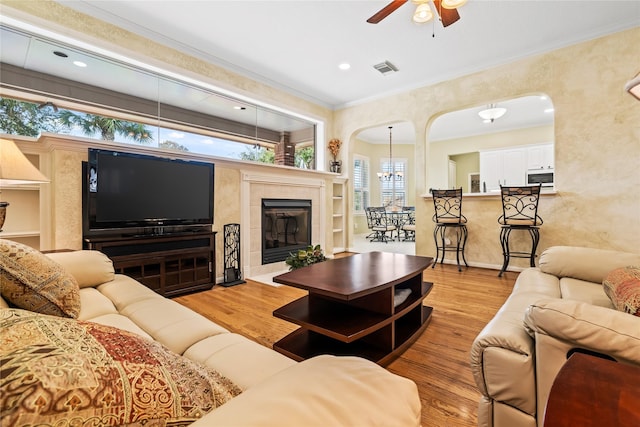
{"x": 297, "y": 45}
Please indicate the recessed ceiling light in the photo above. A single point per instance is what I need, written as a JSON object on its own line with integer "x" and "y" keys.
{"x": 344, "y": 66}
{"x": 79, "y": 64}
{"x": 60, "y": 54}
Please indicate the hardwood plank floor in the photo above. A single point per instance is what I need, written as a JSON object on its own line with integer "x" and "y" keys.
{"x": 439, "y": 359}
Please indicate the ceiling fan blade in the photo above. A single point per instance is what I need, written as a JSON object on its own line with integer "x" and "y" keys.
{"x": 447, "y": 16}
{"x": 385, "y": 11}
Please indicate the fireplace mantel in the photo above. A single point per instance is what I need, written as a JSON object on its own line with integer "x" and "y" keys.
{"x": 257, "y": 186}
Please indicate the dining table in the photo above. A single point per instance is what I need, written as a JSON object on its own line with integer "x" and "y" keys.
{"x": 398, "y": 218}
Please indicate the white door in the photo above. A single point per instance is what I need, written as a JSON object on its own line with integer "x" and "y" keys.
{"x": 453, "y": 170}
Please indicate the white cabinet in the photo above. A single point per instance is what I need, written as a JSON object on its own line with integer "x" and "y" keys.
{"x": 540, "y": 157}
{"x": 502, "y": 167}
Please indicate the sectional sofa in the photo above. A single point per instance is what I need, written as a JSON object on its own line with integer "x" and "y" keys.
{"x": 84, "y": 346}
{"x": 578, "y": 299}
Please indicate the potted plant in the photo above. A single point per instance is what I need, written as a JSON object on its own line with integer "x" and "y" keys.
{"x": 334, "y": 149}
{"x": 304, "y": 257}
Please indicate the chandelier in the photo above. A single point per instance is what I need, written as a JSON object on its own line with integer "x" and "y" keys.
{"x": 391, "y": 174}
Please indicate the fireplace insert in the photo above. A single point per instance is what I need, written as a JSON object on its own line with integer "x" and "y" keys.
{"x": 286, "y": 228}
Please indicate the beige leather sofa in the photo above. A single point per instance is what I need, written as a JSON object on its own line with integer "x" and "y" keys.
{"x": 554, "y": 308}
{"x": 277, "y": 391}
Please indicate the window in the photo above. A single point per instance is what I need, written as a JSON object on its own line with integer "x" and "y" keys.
{"x": 360, "y": 183}
{"x": 393, "y": 190}
{"x": 140, "y": 104}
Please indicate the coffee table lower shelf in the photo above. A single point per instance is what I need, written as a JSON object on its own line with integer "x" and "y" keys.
{"x": 380, "y": 347}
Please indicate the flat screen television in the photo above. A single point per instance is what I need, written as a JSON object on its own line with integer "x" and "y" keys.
{"x": 125, "y": 193}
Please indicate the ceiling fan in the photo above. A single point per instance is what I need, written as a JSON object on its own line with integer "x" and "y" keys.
{"x": 447, "y": 9}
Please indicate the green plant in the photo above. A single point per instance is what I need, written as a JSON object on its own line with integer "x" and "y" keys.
{"x": 304, "y": 257}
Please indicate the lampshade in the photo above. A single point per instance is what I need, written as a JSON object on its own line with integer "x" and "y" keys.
{"x": 452, "y": 4}
{"x": 422, "y": 14}
{"x": 492, "y": 112}
{"x": 633, "y": 86}
{"x": 15, "y": 168}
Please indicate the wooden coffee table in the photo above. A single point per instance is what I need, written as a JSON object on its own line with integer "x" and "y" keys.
{"x": 350, "y": 307}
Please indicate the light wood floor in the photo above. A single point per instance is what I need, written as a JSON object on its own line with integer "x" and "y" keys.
{"x": 438, "y": 361}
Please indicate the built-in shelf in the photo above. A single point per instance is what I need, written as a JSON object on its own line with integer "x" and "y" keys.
{"x": 24, "y": 214}
{"x": 339, "y": 220}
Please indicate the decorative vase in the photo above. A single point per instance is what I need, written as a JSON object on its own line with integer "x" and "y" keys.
{"x": 336, "y": 166}
{"x": 3, "y": 213}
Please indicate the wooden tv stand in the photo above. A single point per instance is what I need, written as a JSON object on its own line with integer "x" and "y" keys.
{"x": 350, "y": 307}
{"x": 171, "y": 265}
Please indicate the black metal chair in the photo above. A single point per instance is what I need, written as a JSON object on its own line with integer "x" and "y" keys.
{"x": 519, "y": 212}
{"x": 409, "y": 226}
{"x": 380, "y": 224}
{"x": 448, "y": 216}
{"x": 369, "y": 236}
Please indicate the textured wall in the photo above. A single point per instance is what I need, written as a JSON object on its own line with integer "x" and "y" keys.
{"x": 597, "y": 138}
{"x": 597, "y": 130}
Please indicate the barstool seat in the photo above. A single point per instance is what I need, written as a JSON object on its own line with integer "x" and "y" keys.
{"x": 448, "y": 216}
{"x": 519, "y": 212}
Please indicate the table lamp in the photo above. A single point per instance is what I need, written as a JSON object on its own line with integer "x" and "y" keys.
{"x": 15, "y": 169}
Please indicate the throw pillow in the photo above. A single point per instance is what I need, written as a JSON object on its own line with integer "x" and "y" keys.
{"x": 58, "y": 371}
{"x": 622, "y": 286}
{"x": 32, "y": 281}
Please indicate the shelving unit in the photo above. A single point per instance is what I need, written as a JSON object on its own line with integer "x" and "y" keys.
{"x": 23, "y": 213}
{"x": 170, "y": 265}
{"x": 339, "y": 218}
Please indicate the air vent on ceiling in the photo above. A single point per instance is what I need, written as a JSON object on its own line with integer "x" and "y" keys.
{"x": 386, "y": 67}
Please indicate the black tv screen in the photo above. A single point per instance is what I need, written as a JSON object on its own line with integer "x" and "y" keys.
{"x": 125, "y": 190}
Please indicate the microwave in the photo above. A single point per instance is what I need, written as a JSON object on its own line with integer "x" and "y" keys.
{"x": 545, "y": 177}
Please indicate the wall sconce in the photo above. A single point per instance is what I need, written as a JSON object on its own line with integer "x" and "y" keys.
{"x": 633, "y": 86}
{"x": 15, "y": 169}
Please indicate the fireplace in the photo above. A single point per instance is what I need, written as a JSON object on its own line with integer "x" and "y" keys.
{"x": 286, "y": 227}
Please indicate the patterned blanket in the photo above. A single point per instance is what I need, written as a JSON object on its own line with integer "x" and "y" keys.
{"x": 63, "y": 372}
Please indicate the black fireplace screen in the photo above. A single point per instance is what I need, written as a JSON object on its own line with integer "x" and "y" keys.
{"x": 286, "y": 227}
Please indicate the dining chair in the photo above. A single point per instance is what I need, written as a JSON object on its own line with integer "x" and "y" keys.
{"x": 409, "y": 226}
{"x": 380, "y": 224}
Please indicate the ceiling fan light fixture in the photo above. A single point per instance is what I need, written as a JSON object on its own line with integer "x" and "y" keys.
{"x": 452, "y": 4}
{"x": 422, "y": 14}
{"x": 492, "y": 112}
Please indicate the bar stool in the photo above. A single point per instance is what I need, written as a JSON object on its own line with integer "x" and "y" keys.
{"x": 448, "y": 215}
{"x": 519, "y": 212}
